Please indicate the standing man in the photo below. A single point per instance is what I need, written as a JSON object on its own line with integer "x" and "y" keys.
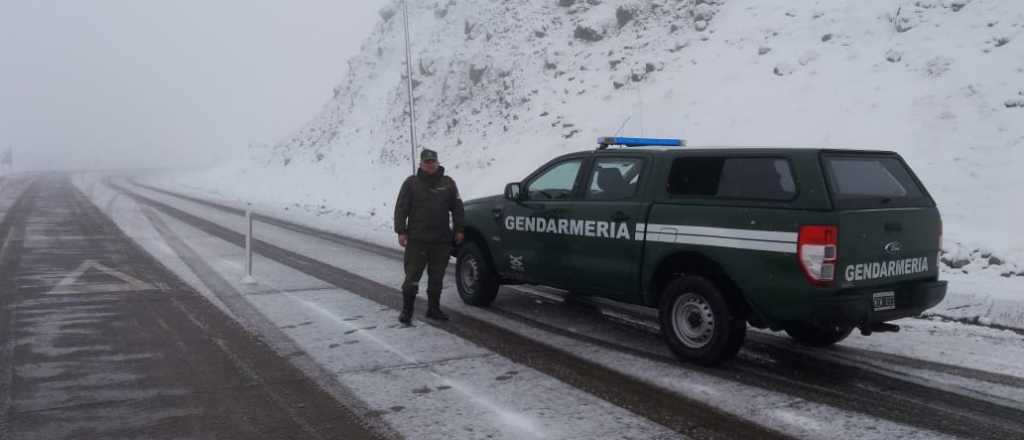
{"x": 422, "y": 224}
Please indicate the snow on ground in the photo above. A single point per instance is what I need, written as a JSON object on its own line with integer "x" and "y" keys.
{"x": 377, "y": 228}
{"x": 984, "y": 300}
{"x": 952, "y": 343}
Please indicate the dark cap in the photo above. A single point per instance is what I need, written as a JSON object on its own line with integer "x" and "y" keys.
{"x": 428, "y": 154}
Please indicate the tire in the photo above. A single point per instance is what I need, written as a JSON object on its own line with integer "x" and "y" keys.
{"x": 818, "y": 336}
{"x": 699, "y": 324}
{"x": 474, "y": 277}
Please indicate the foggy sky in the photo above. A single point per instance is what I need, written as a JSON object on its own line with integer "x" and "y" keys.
{"x": 129, "y": 83}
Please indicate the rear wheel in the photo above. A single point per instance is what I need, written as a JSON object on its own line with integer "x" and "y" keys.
{"x": 698, "y": 322}
{"x": 474, "y": 277}
{"x": 818, "y": 336}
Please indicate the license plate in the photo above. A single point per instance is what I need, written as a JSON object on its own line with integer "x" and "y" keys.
{"x": 884, "y": 300}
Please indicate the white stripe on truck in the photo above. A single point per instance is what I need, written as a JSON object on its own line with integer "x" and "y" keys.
{"x": 770, "y": 241}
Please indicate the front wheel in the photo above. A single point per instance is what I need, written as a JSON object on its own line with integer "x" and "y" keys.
{"x": 474, "y": 277}
{"x": 698, "y": 322}
{"x": 818, "y": 336}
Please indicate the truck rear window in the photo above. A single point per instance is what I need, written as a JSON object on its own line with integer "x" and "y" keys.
{"x": 868, "y": 182}
{"x": 753, "y": 178}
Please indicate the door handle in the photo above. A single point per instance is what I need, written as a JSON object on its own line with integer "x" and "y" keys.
{"x": 893, "y": 226}
{"x": 620, "y": 217}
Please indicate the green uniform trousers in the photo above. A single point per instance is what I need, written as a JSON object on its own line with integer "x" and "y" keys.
{"x": 421, "y": 255}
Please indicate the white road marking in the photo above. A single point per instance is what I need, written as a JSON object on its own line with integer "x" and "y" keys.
{"x": 70, "y": 286}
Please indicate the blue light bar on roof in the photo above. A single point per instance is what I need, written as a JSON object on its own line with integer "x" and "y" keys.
{"x": 639, "y": 142}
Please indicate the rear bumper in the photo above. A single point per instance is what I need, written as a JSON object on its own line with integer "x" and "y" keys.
{"x": 856, "y": 307}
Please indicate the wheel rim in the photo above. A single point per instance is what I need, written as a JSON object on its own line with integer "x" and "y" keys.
{"x": 693, "y": 320}
{"x": 470, "y": 274}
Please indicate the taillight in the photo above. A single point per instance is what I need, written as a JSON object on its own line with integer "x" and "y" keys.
{"x": 817, "y": 249}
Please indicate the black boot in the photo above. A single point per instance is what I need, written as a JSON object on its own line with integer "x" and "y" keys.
{"x": 405, "y": 317}
{"x": 434, "y": 307}
{"x": 436, "y": 314}
{"x": 408, "y": 304}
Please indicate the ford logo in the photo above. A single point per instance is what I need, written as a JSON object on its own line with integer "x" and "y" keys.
{"x": 893, "y": 248}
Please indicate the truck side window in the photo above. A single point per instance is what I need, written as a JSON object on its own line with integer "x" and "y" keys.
{"x": 755, "y": 178}
{"x": 614, "y": 179}
{"x": 556, "y": 183}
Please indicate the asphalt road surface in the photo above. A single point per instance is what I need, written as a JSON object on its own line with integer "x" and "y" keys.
{"x": 98, "y": 340}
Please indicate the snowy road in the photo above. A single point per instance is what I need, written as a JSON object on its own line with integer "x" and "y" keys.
{"x": 774, "y": 384}
{"x": 539, "y": 365}
{"x": 101, "y": 341}
{"x": 851, "y": 380}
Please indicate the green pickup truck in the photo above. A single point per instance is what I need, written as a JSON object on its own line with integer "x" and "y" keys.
{"x": 815, "y": 242}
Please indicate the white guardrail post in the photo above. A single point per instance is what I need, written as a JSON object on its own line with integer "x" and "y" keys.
{"x": 248, "y": 246}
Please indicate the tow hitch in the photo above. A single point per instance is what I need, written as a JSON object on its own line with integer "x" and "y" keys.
{"x": 880, "y": 327}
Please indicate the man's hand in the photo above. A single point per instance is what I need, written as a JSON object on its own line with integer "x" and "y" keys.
{"x": 459, "y": 236}
{"x": 403, "y": 239}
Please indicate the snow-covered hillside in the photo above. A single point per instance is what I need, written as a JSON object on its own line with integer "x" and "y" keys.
{"x": 502, "y": 86}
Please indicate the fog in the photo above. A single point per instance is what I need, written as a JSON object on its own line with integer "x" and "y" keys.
{"x": 184, "y": 83}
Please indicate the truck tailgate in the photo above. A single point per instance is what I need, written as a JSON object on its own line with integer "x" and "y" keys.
{"x": 889, "y": 227}
{"x": 879, "y": 247}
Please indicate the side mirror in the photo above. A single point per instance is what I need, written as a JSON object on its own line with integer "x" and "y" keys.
{"x": 513, "y": 192}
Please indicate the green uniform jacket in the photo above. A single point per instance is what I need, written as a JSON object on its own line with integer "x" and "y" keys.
{"x": 423, "y": 207}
